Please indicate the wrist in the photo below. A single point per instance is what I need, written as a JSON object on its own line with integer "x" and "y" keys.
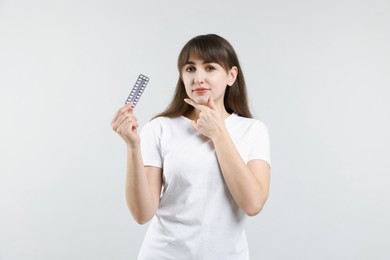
{"x": 132, "y": 146}
{"x": 220, "y": 137}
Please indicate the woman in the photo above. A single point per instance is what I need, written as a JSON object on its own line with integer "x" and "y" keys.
{"x": 202, "y": 166}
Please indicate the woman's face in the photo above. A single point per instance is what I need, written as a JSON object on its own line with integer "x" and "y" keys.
{"x": 203, "y": 79}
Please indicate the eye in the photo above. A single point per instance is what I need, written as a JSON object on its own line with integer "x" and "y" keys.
{"x": 190, "y": 69}
{"x": 210, "y": 68}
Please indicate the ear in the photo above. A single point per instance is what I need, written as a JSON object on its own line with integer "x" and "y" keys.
{"x": 232, "y": 73}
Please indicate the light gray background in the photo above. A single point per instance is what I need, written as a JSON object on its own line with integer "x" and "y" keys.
{"x": 318, "y": 76}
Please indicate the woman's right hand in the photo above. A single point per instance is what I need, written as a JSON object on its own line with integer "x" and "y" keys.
{"x": 125, "y": 125}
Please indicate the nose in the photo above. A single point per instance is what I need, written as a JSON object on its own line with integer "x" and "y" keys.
{"x": 199, "y": 77}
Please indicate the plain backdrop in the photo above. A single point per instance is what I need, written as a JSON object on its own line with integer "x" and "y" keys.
{"x": 318, "y": 77}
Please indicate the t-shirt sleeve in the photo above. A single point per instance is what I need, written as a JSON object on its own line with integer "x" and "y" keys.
{"x": 151, "y": 144}
{"x": 260, "y": 146}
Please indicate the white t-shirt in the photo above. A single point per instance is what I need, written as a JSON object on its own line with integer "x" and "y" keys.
{"x": 197, "y": 218}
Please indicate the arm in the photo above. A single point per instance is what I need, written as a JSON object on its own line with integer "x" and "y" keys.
{"x": 143, "y": 184}
{"x": 248, "y": 183}
{"x": 143, "y": 187}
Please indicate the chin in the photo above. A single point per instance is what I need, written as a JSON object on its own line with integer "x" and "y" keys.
{"x": 201, "y": 99}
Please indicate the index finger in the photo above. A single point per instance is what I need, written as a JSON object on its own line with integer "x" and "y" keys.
{"x": 194, "y": 104}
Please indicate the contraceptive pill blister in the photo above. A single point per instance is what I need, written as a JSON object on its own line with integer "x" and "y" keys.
{"x": 137, "y": 90}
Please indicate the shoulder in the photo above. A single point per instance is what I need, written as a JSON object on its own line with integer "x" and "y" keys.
{"x": 159, "y": 123}
{"x": 247, "y": 123}
{"x": 167, "y": 128}
{"x": 162, "y": 121}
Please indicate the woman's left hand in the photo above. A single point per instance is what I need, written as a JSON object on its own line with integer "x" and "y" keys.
{"x": 210, "y": 123}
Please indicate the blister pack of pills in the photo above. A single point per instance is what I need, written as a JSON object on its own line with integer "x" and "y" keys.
{"x": 137, "y": 90}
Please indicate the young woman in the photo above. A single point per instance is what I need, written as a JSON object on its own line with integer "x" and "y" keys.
{"x": 202, "y": 166}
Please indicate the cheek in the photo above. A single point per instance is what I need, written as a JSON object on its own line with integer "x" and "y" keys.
{"x": 187, "y": 87}
{"x": 187, "y": 82}
{"x": 220, "y": 82}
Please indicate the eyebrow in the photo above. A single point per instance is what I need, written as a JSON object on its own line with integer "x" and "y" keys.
{"x": 204, "y": 62}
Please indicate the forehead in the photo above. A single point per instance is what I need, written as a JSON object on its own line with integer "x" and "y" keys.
{"x": 196, "y": 59}
{"x": 205, "y": 51}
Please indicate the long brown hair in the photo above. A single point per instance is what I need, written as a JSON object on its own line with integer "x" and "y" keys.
{"x": 213, "y": 48}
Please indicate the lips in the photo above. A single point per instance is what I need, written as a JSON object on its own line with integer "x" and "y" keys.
{"x": 200, "y": 90}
